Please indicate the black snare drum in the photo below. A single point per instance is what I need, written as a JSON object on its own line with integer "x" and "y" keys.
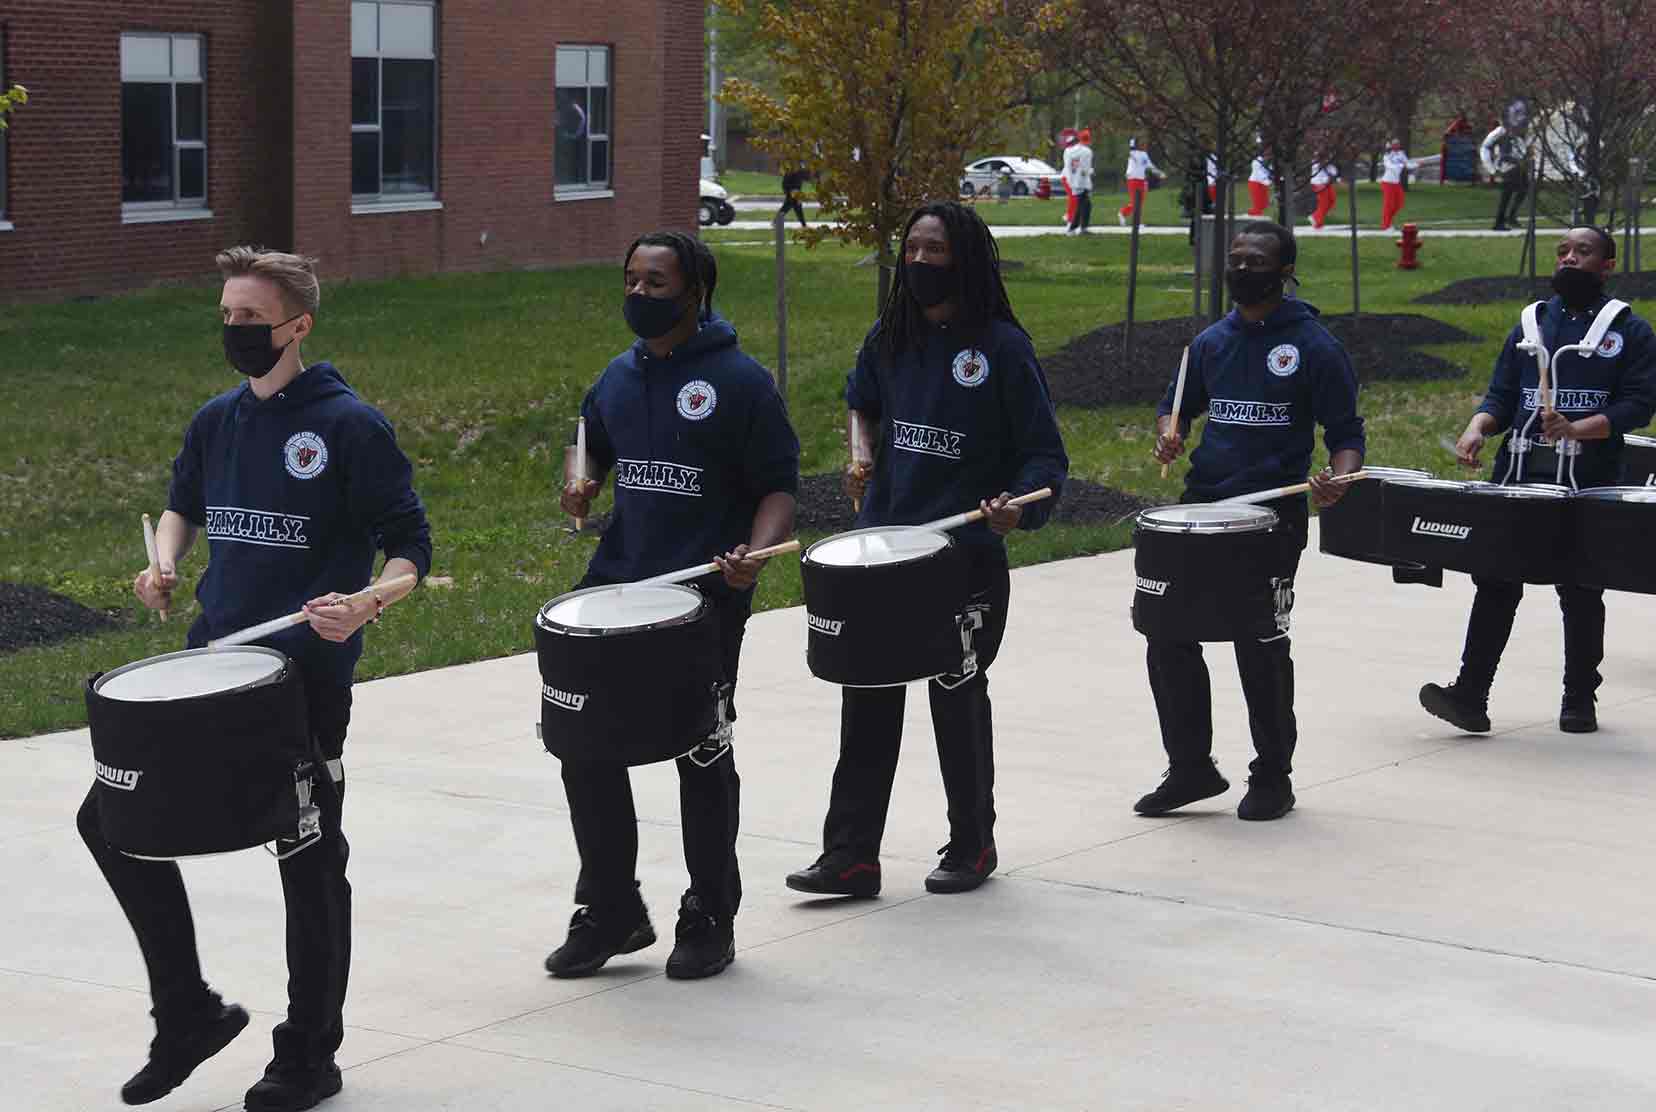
{"x": 1204, "y": 572}
{"x": 1353, "y": 527}
{"x": 199, "y": 751}
{"x": 1638, "y": 461}
{"x": 1504, "y": 532}
{"x": 885, "y": 606}
{"x": 630, "y": 673}
{"x": 1610, "y": 538}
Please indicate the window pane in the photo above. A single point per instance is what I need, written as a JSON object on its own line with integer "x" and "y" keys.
{"x": 598, "y": 66}
{"x": 145, "y": 56}
{"x": 365, "y": 90}
{"x": 406, "y": 31}
{"x": 408, "y": 124}
{"x": 364, "y": 29}
{"x": 192, "y": 174}
{"x": 190, "y": 112}
{"x": 600, "y": 161}
{"x": 571, "y": 66}
{"x": 365, "y": 162}
{"x": 598, "y": 110}
{"x": 146, "y": 142}
{"x": 569, "y": 140}
{"x": 186, "y": 56}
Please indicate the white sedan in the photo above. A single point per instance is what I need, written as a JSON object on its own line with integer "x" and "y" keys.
{"x": 1026, "y": 173}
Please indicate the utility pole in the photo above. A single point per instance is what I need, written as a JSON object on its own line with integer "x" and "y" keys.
{"x": 715, "y": 110}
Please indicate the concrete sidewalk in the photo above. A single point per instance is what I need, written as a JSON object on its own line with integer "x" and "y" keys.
{"x": 1446, "y": 922}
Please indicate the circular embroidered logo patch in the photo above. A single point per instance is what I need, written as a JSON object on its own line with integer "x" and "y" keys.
{"x": 1611, "y": 345}
{"x": 305, "y": 455}
{"x": 1283, "y": 361}
{"x": 696, "y": 400}
{"x": 971, "y": 368}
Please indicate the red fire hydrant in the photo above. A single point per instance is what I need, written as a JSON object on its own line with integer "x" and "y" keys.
{"x": 1411, "y": 247}
{"x": 1043, "y": 189}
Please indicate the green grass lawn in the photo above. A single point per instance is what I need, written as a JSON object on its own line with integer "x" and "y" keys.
{"x": 482, "y": 375}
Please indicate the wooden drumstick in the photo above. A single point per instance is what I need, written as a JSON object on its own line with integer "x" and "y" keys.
{"x": 856, "y": 454}
{"x": 708, "y": 568}
{"x": 154, "y": 558}
{"x": 944, "y": 524}
{"x": 1284, "y": 492}
{"x": 1178, "y": 399}
{"x": 580, "y": 461}
{"x": 298, "y": 617}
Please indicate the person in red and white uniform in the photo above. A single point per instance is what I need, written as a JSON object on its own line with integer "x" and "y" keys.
{"x": 1078, "y": 174}
{"x": 1139, "y": 167}
{"x": 1392, "y": 168}
{"x": 1323, "y": 176}
{"x": 1067, "y": 142}
{"x": 1213, "y": 179}
{"x": 1259, "y": 185}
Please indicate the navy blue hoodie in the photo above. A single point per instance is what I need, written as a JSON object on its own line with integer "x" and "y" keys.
{"x": 1264, "y": 387}
{"x": 695, "y": 440}
{"x": 295, "y": 493}
{"x": 1619, "y": 381}
{"x": 963, "y": 417}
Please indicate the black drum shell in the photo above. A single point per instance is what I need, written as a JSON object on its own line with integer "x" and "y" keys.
{"x": 1218, "y": 584}
{"x": 649, "y": 693}
{"x": 1611, "y": 544}
{"x": 898, "y": 622}
{"x": 216, "y": 772}
{"x": 1354, "y": 527}
{"x": 1638, "y": 461}
{"x": 1518, "y": 539}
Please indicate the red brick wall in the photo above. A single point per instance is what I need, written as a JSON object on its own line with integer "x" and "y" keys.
{"x": 278, "y": 103}
{"x": 64, "y": 146}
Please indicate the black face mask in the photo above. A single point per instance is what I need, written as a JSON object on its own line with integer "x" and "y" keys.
{"x": 1579, "y": 288}
{"x": 929, "y": 284}
{"x": 249, "y": 350}
{"x": 651, "y": 318}
{"x": 1251, "y": 287}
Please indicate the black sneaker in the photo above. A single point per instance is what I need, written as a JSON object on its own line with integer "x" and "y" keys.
{"x": 290, "y": 1087}
{"x": 706, "y": 943}
{"x": 959, "y": 872}
{"x": 1268, "y": 797}
{"x": 1457, "y": 706}
{"x": 175, "y": 1054}
{"x": 838, "y": 875}
{"x": 1578, "y": 715}
{"x": 1182, "y": 784}
{"x": 592, "y": 941}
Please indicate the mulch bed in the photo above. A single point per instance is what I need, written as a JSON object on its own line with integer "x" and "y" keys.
{"x": 1089, "y": 371}
{"x": 30, "y": 616}
{"x": 1638, "y": 286}
{"x": 824, "y": 507}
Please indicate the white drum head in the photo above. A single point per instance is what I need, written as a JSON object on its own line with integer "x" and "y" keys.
{"x": 1619, "y": 494}
{"x": 621, "y": 606}
{"x": 886, "y": 544}
{"x": 188, "y": 675}
{"x": 1208, "y": 517}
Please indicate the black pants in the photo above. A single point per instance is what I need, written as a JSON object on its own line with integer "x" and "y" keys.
{"x": 314, "y": 889}
{"x": 1083, "y": 210}
{"x": 792, "y": 203}
{"x": 1487, "y": 630}
{"x": 606, "y": 825}
{"x": 1514, "y": 188}
{"x": 871, "y": 734}
{"x": 1184, "y": 696}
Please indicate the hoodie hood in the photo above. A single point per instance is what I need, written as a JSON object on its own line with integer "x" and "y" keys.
{"x": 715, "y": 334}
{"x": 1291, "y": 314}
{"x": 317, "y": 382}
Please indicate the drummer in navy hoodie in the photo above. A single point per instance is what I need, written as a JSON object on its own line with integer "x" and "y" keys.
{"x": 1266, "y": 375}
{"x": 297, "y": 481}
{"x": 705, "y": 462}
{"x": 964, "y": 420}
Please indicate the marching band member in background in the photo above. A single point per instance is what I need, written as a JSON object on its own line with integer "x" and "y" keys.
{"x": 1078, "y": 173}
{"x": 1063, "y": 177}
{"x": 1139, "y": 167}
{"x": 1394, "y": 165}
{"x": 1505, "y": 157}
{"x": 1324, "y": 174}
{"x": 1259, "y": 185}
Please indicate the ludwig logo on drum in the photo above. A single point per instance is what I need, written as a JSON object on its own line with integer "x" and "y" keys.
{"x": 126, "y": 779}
{"x": 1440, "y": 529}
{"x": 829, "y": 626}
{"x": 971, "y": 368}
{"x": 565, "y": 700}
{"x": 1155, "y": 587}
{"x": 697, "y": 399}
{"x": 305, "y": 455}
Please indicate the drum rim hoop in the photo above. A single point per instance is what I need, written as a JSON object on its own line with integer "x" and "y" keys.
{"x": 1267, "y": 520}
{"x": 258, "y": 650}
{"x": 1398, "y": 474}
{"x": 543, "y": 622}
{"x": 1612, "y": 493}
{"x": 1540, "y": 491}
{"x": 948, "y": 543}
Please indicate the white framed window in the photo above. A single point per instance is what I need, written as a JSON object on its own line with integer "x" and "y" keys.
{"x": 393, "y": 101}
{"x": 581, "y": 147}
{"x": 163, "y": 125}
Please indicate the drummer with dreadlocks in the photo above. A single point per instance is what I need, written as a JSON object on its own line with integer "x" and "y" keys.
{"x": 1598, "y": 395}
{"x": 704, "y": 462}
{"x": 948, "y": 378}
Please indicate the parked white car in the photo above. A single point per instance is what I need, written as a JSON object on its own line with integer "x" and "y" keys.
{"x": 1026, "y": 174}
{"x": 715, "y": 204}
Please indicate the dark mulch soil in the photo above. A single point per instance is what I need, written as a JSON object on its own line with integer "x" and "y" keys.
{"x": 1637, "y": 286}
{"x": 30, "y": 616}
{"x": 824, "y": 507}
{"x": 1089, "y": 371}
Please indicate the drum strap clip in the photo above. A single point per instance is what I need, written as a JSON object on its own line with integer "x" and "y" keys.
{"x": 309, "y": 831}
{"x": 970, "y": 622}
{"x": 719, "y": 741}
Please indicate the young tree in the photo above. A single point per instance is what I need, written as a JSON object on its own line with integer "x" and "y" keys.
{"x": 884, "y": 100}
{"x": 10, "y": 100}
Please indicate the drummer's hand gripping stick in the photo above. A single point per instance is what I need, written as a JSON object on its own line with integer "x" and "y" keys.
{"x": 299, "y": 617}
{"x": 944, "y": 524}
